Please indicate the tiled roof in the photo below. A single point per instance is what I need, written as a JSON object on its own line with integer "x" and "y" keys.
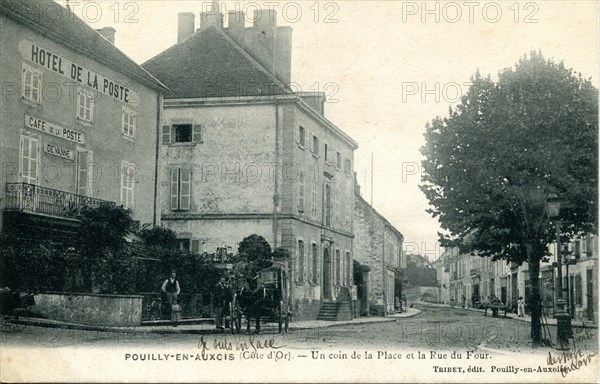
{"x": 211, "y": 64}
{"x": 58, "y": 23}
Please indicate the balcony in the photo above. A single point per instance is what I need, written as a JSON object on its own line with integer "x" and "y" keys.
{"x": 30, "y": 198}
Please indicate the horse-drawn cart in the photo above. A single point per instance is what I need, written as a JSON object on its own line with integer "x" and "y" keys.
{"x": 262, "y": 294}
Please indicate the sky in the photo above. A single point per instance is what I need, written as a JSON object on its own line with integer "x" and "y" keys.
{"x": 387, "y": 68}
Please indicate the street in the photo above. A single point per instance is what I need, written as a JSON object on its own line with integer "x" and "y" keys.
{"x": 438, "y": 342}
{"x": 441, "y": 327}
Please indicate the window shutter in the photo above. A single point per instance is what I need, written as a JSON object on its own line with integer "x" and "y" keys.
{"x": 301, "y": 191}
{"x": 195, "y": 246}
{"x": 297, "y": 135}
{"x": 185, "y": 189}
{"x": 174, "y": 189}
{"x": 166, "y": 134}
{"x": 197, "y": 133}
{"x": 319, "y": 263}
{"x": 304, "y": 262}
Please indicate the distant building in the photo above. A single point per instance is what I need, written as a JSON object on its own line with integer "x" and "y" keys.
{"x": 79, "y": 121}
{"x": 241, "y": 153}
{"x": 480, "y": 278}
{"x": 377, "y": 245}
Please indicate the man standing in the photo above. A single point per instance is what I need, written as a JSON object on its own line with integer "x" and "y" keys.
{"x": 220, "y": 302}
{"x": 171, "y": 289}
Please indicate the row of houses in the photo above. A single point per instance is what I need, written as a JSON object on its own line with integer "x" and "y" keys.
{"x": 476, "y": 279}
{"x": 207, "y": 139}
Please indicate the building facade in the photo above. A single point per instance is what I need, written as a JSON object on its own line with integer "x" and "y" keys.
{"x": 479, "y": 278}
{"x": 241, "y": 153}
{"x": 79, "y": 120}
{"x": 379, "y": 246}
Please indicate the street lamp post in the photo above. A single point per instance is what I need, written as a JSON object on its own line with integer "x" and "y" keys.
{"x": 563, "y": 319}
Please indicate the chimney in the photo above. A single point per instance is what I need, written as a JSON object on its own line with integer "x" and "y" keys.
{"x": 237, "y": 26}
{"x": 315, "y": 99}
{"x": 266, "y": 20}
{"x": 108, "y": 33}
{"x": 185, "y": 26}
{"x": 267, "y": 43}
{"x": 210, "y": 16}
{"x": 356, "y": 185}
{"x": 282, "y": 58}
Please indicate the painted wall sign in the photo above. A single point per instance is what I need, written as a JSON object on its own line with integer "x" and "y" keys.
{"x": 75, "y": 72}
{"x": 59, "y": 151}
{"x": 54, "y": 130}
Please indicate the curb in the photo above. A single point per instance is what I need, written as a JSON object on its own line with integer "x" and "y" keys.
{"x": 145, "y": 328}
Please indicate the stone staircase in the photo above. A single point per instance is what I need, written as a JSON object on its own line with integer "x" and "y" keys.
{"x": 335, "y": 311}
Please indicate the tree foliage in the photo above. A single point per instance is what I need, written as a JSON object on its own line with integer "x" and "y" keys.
{"x": 255, "y": 247}
{"x": 159, "y": 237}
{"x": 492, "y": 163}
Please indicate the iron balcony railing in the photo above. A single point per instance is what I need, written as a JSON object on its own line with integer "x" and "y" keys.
{"x": 35, "y": 199}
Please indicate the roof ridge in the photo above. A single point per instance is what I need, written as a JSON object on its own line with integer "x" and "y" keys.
{"x": 249, "y": 57}
{"x": 235, "y": 45}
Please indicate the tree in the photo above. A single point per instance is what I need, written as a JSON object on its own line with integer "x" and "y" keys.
{"x": 159, "y": 237}
{"x": 101, "y": 235}
{"x": 256, "y": 247}
{"x": 492, "y": 163}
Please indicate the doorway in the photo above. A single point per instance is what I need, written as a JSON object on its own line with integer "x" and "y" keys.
{"x": 326, "y": 273}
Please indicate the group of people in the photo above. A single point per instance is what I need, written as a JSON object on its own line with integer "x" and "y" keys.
{"x": 244, "y": 274}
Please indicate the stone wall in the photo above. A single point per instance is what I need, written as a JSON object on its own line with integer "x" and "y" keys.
{"x": 90, "y": 309}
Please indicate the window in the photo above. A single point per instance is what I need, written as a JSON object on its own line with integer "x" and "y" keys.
{"x": 182, "y": 133}
{"x": 348, "y": 167}
{"x": 301, "y": 186}
{"x": 188, "y": 244}
{"x": 31, "y": 85}
{"x": 315, "y": 145}
{"x": 327, "y": 205}
{"x": 349, "y": 206}
{"x": 30, "y": 159}
{"x": 183, "y": 244}
{"x": 300, "y": 270}
{"x": 181, "y": 189}
{"x": 338, "y": 205}
{"x": 313, "y": 198}
{"x": 128, "y": 123}
{"x": 84, "y": 169}
{"x": 127, "y": 184}
{"x": 325, "y": 151}
{"x": 338, "y": 160}
{"x": 302, "y": 136}
{"x": 577, "y": 248}
{"x": 85, "y": 106}
{"x": 589, "y": 245}
{"x": 315, "y": 263}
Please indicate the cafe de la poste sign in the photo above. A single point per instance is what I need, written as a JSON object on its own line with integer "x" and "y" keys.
{"x": 76, "y": 73}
